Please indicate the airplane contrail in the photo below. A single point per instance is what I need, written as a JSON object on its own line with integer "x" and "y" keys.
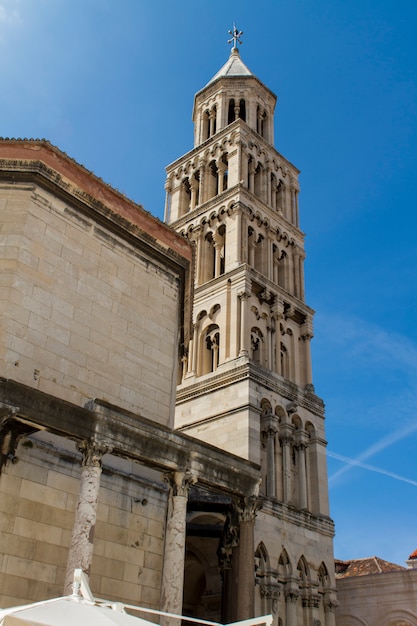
{"x": 380, "y": 445}
{"x": 371, "y": 468}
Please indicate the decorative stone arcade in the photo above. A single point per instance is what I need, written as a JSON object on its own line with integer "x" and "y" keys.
{"x": 246, "y": 383}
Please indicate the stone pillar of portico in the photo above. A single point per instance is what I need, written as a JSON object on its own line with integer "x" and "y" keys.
{"x": 292, "y": 594}
{"x": 330, "y": 604}
{"x": 81, "y": 549}
{"x": 175, "y": 532}
{"x": 247, "y": 509}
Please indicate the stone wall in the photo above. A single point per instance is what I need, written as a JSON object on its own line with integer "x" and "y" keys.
{"x": 84, "y": 313}
{"x": 385, "y": 599}
{"x": 38, "y": 496}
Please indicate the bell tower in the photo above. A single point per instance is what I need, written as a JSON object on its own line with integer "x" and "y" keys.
{"x": 245, "y": 381}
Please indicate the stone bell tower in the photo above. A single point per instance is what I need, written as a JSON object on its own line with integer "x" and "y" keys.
{"x": 246, "y": 380}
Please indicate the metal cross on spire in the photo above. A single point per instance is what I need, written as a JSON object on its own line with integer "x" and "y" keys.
{"x": 236, "y": 34}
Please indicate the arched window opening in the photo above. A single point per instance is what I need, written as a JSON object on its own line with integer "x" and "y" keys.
{"x": 223, "y": 173}
{"x": 257, "y": 345}
{"x": 258, "y": 181}
{"x": 323, "y": 576}
{"x": 206, "y": 125}
{"x": 211, "y": 346}
{"x": 185, "y": 196}
{"x": 259, "y": 254}
{"x": 284, "y": 358}
{"x": 231, "y": 112}
{"x": 260, "y": 116}
{"x": 251, "y": 246}
{"x": 282, "y": 265}
{"x": 221, "y": 250}
{"x": 213, "y": 121}
{"x": 208, "y": 260}
{"x": 212, "y": 182}
{"x": 242, "y": 110}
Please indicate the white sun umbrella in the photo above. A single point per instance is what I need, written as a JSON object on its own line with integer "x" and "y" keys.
{"x": 81, "y": 609}
{"x": 68, "y": 611}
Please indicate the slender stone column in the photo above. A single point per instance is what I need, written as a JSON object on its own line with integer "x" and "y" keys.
{"x": 212, "y": 117}
{"x": 244, "y": 334}
{"x": 307, "y": 335}
{"x": 286, "y": 466}
{"x": 81, "y": 548}
{"x": 302, "y": 476}
{"x": 221, "y": 169}
{"x": 201, "y": 190}
{"x": 247, "y": 509}
{"x": 238, "y": 213}
{"x": 194, "y": 192}
{"x": 174, "y": 555}
{"x": 218, "y": 244}
{"x": 269, "y": 432}
{"x": 251, "y": 174}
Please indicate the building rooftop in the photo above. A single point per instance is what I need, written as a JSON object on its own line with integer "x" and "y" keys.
{"x": 233, "y": 67}
{"x": 363, "y": 567}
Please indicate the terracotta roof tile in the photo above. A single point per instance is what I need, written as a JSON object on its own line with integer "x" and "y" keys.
{"x": 363, "y": 567}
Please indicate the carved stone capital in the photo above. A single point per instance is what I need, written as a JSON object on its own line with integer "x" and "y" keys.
{"x": 248, "y": 507}
{"x": 271, "y": 592}
{"x": 180, "y": 482}
{"x": 93, "y": 451}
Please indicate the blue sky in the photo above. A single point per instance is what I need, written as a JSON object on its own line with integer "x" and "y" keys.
{"x": 112, "y": 84}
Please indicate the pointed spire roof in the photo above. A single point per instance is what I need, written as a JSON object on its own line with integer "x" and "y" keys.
{"x": 233, "y": 67}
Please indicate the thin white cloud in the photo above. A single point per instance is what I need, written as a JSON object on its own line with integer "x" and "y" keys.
{"x": 8, "y": 14}
{"x": 368, "y": 342}
{"x": 371, "y": 468}
{"x": 380, "y": 445}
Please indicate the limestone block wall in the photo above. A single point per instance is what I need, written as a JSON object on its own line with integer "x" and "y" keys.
{"x": 84, "y": 313}
{"x": 386, "y": 599}
{"x": 295, "y": 565}
{"x": 38, "y": 496}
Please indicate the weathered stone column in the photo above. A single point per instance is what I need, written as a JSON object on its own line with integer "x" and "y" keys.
{"x": 174, "y": 554}
{"x": 247, "y": 509}
{"x": 330, "y": 604}
{"x": 270, "y": 593}
{"x": 291, "y": 597}
{"x": 81, "y": 548}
